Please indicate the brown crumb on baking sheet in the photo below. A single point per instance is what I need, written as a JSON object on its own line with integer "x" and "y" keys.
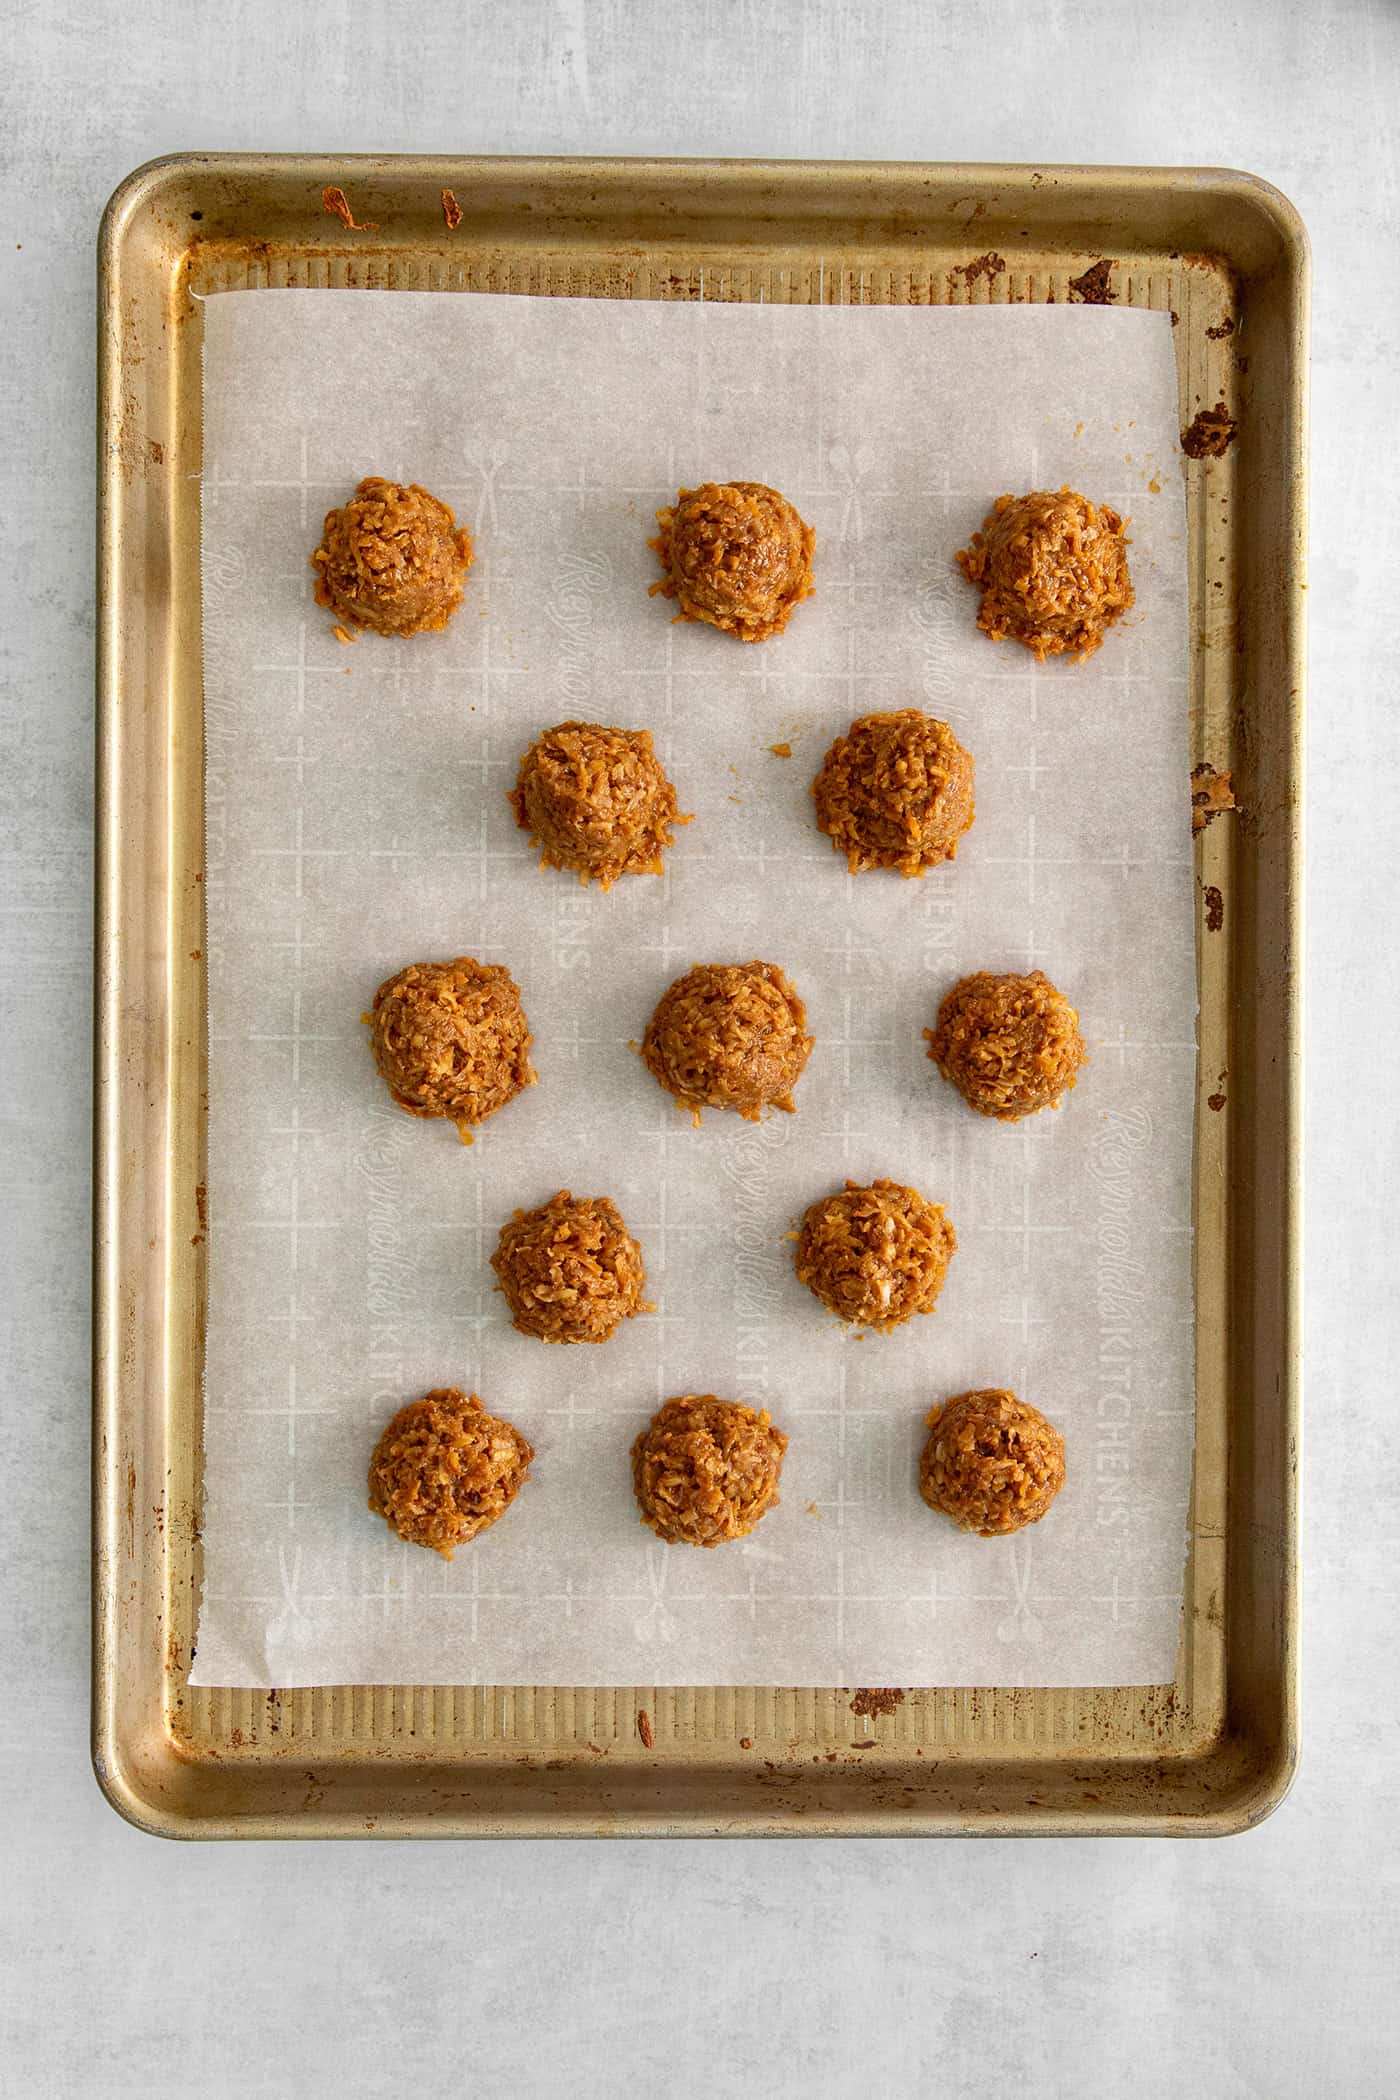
{"x": 1211, "y": 792}
{"x": 1221, "y": 330}
{"x": 645, "y": 1729}
{"x": 1210, "y": 434}
{"x": 746, "y": 1742}
{"x": 451, "y": 211}
{"x": 343, "y": 634}
{"x": 1215, "y": 909}
{"x": 876, "y": 1699}
{"x": 781, "y": 750}
{"x": 335, "y": 201}
{"x": 1092, "y": 288}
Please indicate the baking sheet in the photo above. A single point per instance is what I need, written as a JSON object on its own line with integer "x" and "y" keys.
{"x": 357, "y": 820}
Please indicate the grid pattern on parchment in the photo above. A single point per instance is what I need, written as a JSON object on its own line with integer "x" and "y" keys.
{"x": 358, "y": 819}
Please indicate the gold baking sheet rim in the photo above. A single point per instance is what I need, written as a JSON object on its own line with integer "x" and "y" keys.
{"x": 1210, "y": 1753}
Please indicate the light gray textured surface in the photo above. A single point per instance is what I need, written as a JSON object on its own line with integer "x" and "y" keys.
{"x": 1263, "y": 1965}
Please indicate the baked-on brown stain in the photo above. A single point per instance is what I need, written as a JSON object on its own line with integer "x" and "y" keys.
{"x": 705, "y": 1471}
{"x": 1215, "y": 1102}
{"x": 444, "y": 1470}
{"x": 1093, "y": 288}
{"x": 451, "y": 1039}
{"x": 871, "y": 1700}
{"x": 729, "y": 1035}
{"x": 451, "y": 211}
{"x": 1215, "y": 909}
{"x": 1212, "y": 793}
{"x": 875, "y": 1256}
{"x": 736, "y": 555}
{"x": 596, "y": 801}
{"x": 896, "y": 791}
{"x": 1052, "y": 568}
{"x": 1009, "y": 1044}
{"x": 1210, "y": 434}
{"x": 570, "y": 1271}
{"x": 392, "y": 559}
{"x": 992, "y": 1462}
{"x": 1221, "y": 330}
{"x": 989, "y": 266}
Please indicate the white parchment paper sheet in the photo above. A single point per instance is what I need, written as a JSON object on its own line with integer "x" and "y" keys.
{"x": 357, "y": 820}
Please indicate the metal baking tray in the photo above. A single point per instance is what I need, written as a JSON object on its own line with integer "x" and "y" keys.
{"x": 1211, "y": 1752}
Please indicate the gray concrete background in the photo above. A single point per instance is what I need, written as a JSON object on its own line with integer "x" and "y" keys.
{"x": 1260, "y": 1966}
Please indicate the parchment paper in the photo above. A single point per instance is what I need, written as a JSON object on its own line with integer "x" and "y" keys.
{"x": 357, "y": 820}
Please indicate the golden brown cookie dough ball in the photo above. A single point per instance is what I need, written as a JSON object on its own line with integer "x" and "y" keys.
{"x": 992, "y": 1462}
{"x": 444, "y": 1470}
{"x": 451, "y": 1039}
{"x": 391, "y": 559}
{"x": 875, "y": 1255}
{"x": 1010, "y": 1045}
{"x": 706, "y": 1470}
{"x": 736, "y": 555}
{"x": 570, "y": 1271}
{"x": 729, "y": 1035}
{"x": 895, "y": 792}
{"x": 1053, "y": 572}
{"x": 597, "y": 801}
